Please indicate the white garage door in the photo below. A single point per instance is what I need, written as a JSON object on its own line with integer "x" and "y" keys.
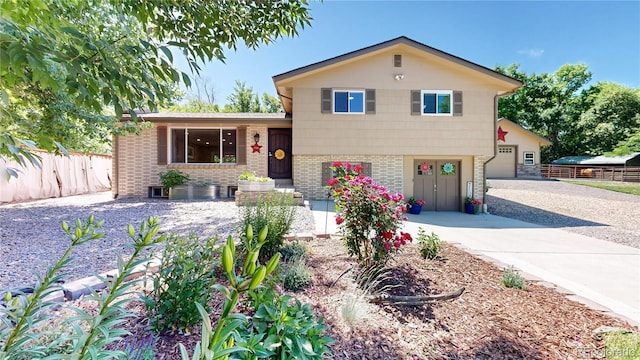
{"x": 504, "y": 164}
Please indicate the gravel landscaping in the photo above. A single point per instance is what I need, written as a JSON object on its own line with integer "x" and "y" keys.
{"x": 602, "y": 214}
{"x": 31, "y": 238}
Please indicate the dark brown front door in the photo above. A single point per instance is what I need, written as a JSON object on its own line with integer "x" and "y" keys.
{"x": 280, "y": 153}
{"x": 438, "y": 183}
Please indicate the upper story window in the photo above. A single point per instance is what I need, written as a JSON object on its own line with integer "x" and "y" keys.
{"x": 340, "y": 101}
{"x": 436, "y": 102}
{"x": 348, "y": 101}
{"x": 203, "y": 146}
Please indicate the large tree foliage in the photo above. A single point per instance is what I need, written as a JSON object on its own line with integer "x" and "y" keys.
{"x": 548, "y": 104}
{"x": 613, "y": 116}
{"x": 117, "y": 53}
{"x": 244, "y": 100}
{"x": 579, "y": 119}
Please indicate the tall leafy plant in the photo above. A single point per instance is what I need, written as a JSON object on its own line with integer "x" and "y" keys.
{"x": 218, "y": 343}
{"x": 368, "y": 215}
{"x": 91, "y": 334}
{"x": 274, "y": 212}
{"x": 184, "y": 278}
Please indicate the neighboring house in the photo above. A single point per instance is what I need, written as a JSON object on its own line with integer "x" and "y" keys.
{"x": 518, "y": 152}
{"x": 422, "y": 122}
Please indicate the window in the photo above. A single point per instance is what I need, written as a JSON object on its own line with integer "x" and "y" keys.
{"x": 436, "y": 102}
{"x": 348, "y": 101}
{"x": 529, "y": 158}
{"x": 203, "y": 146}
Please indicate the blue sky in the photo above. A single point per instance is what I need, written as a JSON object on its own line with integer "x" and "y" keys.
{"x": 539, "y": 35}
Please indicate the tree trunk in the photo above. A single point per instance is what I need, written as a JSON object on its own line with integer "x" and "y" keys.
{"x": 415, "y": 300}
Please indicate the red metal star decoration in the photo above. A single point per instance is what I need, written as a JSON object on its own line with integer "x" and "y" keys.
{"x": 502, "y": 134}
{"x": 255, "y": 148}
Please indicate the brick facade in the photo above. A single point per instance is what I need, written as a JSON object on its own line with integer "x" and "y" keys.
{"x": 136, "y": 169}
{"x": 307, "y": 172}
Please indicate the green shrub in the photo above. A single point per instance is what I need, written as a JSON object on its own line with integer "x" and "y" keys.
{"x": 281, "y": 328}
{"x": 293, "y": 251}
{"x": 296, "y": 276}
{"x": 185, "y": 276}
{"x": 512, "y": 279}
{"x": 23, "y": 334}
{"x": 172, "y": 178}
{"x": 217, "y": 343}
{"x": 430, "y": 245}
{"x": 276, "y": 213}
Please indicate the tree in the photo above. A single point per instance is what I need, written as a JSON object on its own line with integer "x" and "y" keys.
{"x": 549, "y": 105}
{"x": 271, "y": 104}
{"x": 201, "y": 98}
{"x": 614, "y": 115}
{"x": 118, "y": 53}
{"x": 244, "y": 100}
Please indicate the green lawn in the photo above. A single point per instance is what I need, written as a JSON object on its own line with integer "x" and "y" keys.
{"x": 623, "y": 187}
{"x": 621, "y": 346}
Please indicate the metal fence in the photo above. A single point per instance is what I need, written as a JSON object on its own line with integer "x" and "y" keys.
{"x": 611, "y": 173}
{"x": 58, "y": 176}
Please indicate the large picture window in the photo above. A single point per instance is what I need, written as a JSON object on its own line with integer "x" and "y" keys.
{"x": 203, "y": 146}
{"x": 348, "y": 101}
{"x": 436, "y": 102}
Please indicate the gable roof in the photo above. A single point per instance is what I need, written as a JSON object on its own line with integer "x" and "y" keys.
{"x": 402, "y": 40}
{"x": 543, "y": 141}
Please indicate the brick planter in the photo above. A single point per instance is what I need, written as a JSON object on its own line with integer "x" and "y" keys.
{"x": 258, "y": 186}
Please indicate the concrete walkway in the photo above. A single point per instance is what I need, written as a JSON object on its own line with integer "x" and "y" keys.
{"x": 602, "y": 274}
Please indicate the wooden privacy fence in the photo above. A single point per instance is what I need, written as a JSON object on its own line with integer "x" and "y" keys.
{"x": 58, "y": 176}
{"x": 611, "y": 173}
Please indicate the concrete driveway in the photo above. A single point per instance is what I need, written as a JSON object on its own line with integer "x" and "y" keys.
{"x": 602, "y": 274}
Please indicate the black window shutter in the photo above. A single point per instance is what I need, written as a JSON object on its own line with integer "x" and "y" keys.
{"x": 415, "y": 102}
{"x": 397, "y": 60}
{"x": 162, "y": 145}
{"x": 366, "y": 168}
{"x": 326, "y": 173}
{"x": 327, "y": 102}
{"x": 241, "y": 146}
{"x": 370, "y": 96}
{"x": 457, "y": 103}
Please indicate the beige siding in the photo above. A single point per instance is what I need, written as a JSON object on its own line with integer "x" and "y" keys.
{"x": 393, "y": 130}
{"x": 523, "y": 139}
{"x": 135, "y": 162}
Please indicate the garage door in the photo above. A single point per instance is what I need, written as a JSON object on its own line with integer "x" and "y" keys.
{"x": 504, "y": 164}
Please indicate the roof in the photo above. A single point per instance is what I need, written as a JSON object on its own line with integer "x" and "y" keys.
{"x": 220, "y": 117}
{"x": 596, "y": 160}
{"x": 543, "y": 141}
{"x": 399, "y": 40}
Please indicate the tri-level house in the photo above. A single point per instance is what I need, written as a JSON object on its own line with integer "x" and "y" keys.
{"x": 421, "y": 122}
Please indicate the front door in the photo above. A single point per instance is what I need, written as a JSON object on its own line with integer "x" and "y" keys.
{"x": 280, "y": 153}
{"x": 438, "y": 183}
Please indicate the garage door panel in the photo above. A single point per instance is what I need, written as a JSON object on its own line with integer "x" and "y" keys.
{"x": 504, "y": 164}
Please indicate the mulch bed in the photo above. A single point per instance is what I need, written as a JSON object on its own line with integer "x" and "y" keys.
{"x": 489, "y": 321}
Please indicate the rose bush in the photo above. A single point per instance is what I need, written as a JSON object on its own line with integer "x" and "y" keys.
{"x": 368, "y": 215}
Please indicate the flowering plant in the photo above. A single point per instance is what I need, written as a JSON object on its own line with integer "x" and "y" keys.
{"x": 413, "y": 201}
{"x": 369, "y": 216}
{"x": 472, "y": 201}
